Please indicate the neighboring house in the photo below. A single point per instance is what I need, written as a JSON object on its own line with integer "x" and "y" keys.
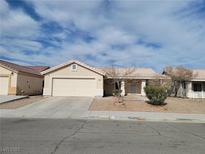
{"x": 75, "y": 78}
{"x": 196, "y": 87}
{"x": 20, "y": 80}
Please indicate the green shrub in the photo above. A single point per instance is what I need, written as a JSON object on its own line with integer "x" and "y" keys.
{"x": 156, "y": 94}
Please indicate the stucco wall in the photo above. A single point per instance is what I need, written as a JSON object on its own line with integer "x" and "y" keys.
{"x": 29, "y": 85}
{"x": 4, "y": 71}
{"x": 66, "y": 72}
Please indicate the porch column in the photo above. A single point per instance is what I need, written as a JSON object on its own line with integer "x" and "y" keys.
{"x": 143, "y": 84}
{"x": 123, "y": 88}
{"x": 180, "y": 91}
{"x": 189, "y": 89}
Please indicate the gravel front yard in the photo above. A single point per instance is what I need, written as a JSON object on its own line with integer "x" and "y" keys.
{"x": 175, "y": 105}
{"x": 20, "y": 103}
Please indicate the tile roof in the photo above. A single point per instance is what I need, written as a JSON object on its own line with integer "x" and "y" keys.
{"x": 39, "y": 68}
{"x": 71, "y": 62}
{"x": 199, "y": 74}
{"x": 20, "y": 68}
{"x": 138, "y": 73}
{"x": 132, "y": 73}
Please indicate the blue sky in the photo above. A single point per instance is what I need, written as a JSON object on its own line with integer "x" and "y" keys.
{"x": 104, "y": 32}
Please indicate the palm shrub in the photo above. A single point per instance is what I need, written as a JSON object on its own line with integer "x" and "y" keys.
{"x": 156, "y": 94}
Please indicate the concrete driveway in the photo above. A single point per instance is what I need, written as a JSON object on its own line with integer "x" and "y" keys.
{"x": 52, "y": 107}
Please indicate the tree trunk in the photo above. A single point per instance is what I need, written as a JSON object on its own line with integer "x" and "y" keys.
{"x": 175, "y": 89}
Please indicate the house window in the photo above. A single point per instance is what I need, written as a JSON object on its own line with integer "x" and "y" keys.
{"x": 197, "y": 87}
{"x": 74, "y": 67}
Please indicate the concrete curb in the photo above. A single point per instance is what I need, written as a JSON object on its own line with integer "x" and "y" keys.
{"x": 140, "y": 119}
{"x": 14, "y": 99}
{"x": 136, "y": 119}
{"x": 146, "y": 116}
{"x": 105, "y": 115}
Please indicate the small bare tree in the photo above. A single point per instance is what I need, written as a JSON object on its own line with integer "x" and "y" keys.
{"x": 179, "y": 75}
{"x": 118, "y": 75}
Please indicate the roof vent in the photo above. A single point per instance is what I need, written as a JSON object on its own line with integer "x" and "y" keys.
{"x": 74, "y": 67}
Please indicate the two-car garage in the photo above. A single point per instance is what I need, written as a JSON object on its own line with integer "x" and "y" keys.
{"x": 73, "y": 86}
{"x": 73, "y": 79}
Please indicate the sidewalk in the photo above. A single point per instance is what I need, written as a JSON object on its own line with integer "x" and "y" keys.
{"x": 111, "y": 115}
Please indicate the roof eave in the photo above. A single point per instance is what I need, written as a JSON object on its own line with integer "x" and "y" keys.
{"x": 199, "y": 79}
{"x": 136, "y": 77}
{"x": 68, "y": 63}
{"x": 9, "y": 68}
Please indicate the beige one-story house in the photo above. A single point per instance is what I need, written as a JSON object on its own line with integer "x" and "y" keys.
{"x": 20, "y": 80}
{"x": 75, "y": 78}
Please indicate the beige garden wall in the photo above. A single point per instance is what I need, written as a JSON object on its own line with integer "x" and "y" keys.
{"x": 29, "y": 84}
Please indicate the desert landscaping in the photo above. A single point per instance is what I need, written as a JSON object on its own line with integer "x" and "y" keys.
{"x": 139, "y": 104}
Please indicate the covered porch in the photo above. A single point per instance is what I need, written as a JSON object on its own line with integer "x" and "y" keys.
{"x": 127, "y": 86}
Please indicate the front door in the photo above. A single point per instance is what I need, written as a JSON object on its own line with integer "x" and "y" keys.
{"x": 133, "y": 87}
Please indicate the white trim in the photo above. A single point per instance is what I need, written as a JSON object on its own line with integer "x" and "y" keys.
{"x": 71, "y": 77}
{"x": 99, "y": 92}
{"x": 202, "y": 80}
{"x": 143, "y": 84}
{"x": 123, "y": 88}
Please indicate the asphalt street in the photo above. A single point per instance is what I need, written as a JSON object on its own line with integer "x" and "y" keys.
{"x": 69, "y": 136}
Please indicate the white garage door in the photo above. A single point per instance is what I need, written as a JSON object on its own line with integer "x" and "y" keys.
{"x": 74, "y": 87}
{"x": 4, "y": 83}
